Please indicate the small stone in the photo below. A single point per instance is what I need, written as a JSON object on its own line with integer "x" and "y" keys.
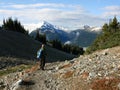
{"x": 56, "y": 68}
{"x": 99, "y": 74}
{"x": 92, "y": 74}
{"x": 49, "y": 72}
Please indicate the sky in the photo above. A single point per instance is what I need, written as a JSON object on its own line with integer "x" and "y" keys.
{"x": 70, "y": 14}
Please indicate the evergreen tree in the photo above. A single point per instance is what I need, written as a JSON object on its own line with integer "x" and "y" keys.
{"x": 0, "y": 28}
{"x": 76, "y": 50}
{"x": 113, "y": 25}
{"x": 37, "y": 36}
{"x": 13, "y": 25}
{"x": 119, "y": 26}
{"x": 109, "y": 38}
{"x": 105, "y": 28}
{"x": 57, "y": 44}
{"x": 72, "y": 49}
{"x": 67, "y": 48}
{"x": 41, "y": 37}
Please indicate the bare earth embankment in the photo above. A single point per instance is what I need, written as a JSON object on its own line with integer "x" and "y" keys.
{"x": 97, "y": 71}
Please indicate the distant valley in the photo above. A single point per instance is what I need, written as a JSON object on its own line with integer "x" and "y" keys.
{"x": 81, "y": 37}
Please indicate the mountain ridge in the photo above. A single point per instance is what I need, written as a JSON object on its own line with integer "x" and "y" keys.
{"x": 88, "y": 34}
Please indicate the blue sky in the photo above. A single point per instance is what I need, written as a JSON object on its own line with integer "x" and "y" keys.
{"x": 71, "y": 14}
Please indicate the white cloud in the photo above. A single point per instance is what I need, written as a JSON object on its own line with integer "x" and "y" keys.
{"x": 32, "y": 26}
{"x": 70, "y": 16}
{"x": 112, "y": 8}
{"x": 111, "y": 11}
{"x": 37, "y": 5}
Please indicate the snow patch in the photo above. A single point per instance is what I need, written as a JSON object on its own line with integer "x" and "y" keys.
{"x": 68, "y": 42}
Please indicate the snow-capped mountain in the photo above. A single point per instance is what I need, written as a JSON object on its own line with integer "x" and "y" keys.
{"x": 93, "y": 29}
{"x": 52, "y": 32}
{"x": 96, "y": 29}
{"x": 82, "y": 37}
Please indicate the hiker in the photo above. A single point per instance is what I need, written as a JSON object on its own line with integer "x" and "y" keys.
{"x": 41, "y": 56}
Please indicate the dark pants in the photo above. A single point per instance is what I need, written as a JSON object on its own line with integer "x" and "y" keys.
{"x": 42, "y": 63}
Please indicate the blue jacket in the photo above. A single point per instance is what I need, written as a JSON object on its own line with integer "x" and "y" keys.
{"x": 41, "y": 53}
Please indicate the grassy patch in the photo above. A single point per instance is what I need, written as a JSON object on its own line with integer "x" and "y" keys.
{"x": 14, "y": 69}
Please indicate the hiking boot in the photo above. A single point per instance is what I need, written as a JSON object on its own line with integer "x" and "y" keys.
{"x": 43, "y": 69}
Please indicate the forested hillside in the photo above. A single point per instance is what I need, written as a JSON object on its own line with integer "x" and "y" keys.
{"x": 15, "y": 44}
{"x": 109, "y": 38}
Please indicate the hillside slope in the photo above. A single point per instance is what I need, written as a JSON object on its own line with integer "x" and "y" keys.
{"x": 22, "y": 46}
{"x": 97, "y": 71}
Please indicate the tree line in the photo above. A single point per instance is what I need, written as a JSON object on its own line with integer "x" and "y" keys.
{"x": 72, "y": 49}
{"x": 110, "y": 36}
{"x": 13, "y": 25}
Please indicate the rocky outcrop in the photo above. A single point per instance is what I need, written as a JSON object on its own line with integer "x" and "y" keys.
{"x": 97, "y": 71}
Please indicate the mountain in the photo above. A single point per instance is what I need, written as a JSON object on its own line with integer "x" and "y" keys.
{"x": 82, "y": 37}
{"x": 92, "y": 29}
{"x": 52, "y": 32}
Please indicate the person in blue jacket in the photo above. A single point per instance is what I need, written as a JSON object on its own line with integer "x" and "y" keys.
{"x": 41, "y": 56}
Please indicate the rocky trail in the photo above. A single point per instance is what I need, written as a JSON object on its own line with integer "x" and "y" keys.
{"x": 97, "y": 71}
